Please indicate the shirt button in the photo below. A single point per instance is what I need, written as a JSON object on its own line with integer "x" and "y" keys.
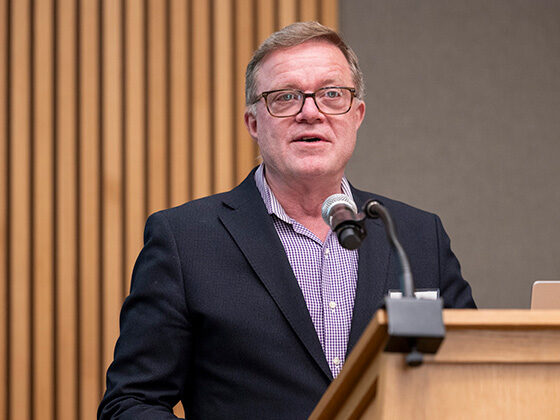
{"x": 332, "y": 304}
{"x": 336, "y": 361}
{"x": 327, "y": 251}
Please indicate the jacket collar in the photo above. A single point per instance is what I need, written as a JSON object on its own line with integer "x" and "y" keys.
{"x": 248, "y": 222}
{"x": 373, "y": 270}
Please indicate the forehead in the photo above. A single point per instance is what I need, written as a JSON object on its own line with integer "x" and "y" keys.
{"x": 306, "y": 66}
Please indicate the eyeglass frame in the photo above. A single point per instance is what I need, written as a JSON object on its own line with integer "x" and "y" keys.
{"x": 305, "y": 96}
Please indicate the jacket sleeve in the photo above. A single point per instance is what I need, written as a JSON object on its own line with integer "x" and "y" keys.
{"x": 148, "y": 374}
{"x": 454, "y": 290}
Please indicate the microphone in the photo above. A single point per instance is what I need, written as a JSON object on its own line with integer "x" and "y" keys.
{"x": 340, "y": 212}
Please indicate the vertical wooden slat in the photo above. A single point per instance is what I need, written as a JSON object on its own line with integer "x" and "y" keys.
{"x": 135, "y": 76}
{"x": 201, "y": 130}
{"x": 223, "y": 95}
{"x": 308, "y": 10}
{"x": 43, "y": 193}
{"x": 287, "y": 12}
{"x": 3, "y": 208}
{"x": 19, "y": 202}
{"x": 245, "y": 147}
{"x": 89, "y": 196}
{"x": 265, "y": 19}
{"x": 112, "y": 175}
{"x": 180, "y": 102}
{"x": 66, "y": 214}
{"x": 329, "y": 13}
{"x": 157, "y": 106}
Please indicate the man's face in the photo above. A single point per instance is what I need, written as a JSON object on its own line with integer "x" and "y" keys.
{"x": 285, "y": 143}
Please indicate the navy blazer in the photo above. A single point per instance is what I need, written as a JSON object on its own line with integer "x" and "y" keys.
{"x": 215, "y": 317}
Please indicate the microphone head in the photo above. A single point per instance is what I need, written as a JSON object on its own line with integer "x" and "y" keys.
{"x": 334, "y": 200}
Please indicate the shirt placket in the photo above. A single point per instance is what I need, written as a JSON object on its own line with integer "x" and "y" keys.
{"x": 335, "y": 344}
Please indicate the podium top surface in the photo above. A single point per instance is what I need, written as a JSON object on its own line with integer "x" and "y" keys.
{"x": 488, "y": 318}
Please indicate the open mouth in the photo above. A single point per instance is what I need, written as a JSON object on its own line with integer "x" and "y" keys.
{"x": 309, "y": 139}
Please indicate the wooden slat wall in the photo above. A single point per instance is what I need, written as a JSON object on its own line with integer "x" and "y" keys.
{"x": 109, "y": 110}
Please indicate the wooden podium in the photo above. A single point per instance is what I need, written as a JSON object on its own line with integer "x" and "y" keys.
{"x": 492, "y": 364}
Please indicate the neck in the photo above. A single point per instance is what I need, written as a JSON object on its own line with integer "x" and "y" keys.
{"x": 302, "y": 199}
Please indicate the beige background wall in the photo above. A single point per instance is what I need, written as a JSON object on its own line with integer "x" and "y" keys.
{"x": 462, "y": 119}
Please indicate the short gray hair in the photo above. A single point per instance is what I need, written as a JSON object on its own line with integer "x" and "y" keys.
{"x": 296, "y": 34}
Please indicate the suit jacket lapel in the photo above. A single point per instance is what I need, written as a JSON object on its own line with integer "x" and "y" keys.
{"x": 373, "y": 269}
{"x": 249, "y": 224}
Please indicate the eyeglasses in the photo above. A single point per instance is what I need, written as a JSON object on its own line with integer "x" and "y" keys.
{"x": 332, "y": 100}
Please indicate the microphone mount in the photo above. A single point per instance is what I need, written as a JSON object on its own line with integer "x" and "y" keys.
{"x": 415, "y": 326}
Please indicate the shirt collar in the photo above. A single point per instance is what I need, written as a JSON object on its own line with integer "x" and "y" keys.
{"x": 273, "y": 205}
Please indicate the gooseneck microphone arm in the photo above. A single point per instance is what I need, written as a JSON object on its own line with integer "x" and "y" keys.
{"x": 415, "y": 325}
{"x": 375, "y": 209}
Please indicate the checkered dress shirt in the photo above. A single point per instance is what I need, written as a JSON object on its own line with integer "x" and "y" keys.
{"x": 326, "y": 274}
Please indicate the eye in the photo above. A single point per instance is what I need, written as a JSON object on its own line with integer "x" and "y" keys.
{"x": 287, "y": 97}
{"x": 332, "y": 93}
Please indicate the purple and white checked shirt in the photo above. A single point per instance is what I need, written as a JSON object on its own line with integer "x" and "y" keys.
{"x": 326, "y": 274}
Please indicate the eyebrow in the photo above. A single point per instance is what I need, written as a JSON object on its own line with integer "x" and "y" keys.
{"x": 325, "y": 83}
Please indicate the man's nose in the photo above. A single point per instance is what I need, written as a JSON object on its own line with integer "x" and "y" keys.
{"x": 309, "y": 110}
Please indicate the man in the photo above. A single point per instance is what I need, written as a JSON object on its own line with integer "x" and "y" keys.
{"x": 243, "y": 305}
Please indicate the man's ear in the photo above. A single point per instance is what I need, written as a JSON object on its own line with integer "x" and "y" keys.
{"x": 251, "y": 123}
{"x": 361, "y": 110}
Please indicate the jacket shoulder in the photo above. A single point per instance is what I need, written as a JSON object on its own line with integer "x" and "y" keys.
{"x": 210, "y": 206}
{"x": 396, "y": 208}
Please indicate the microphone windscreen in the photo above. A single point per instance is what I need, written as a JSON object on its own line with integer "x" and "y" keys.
{"x": 334, "y": 200}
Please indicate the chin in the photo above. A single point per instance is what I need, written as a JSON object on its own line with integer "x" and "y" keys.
{"x": 316, "y": 170}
